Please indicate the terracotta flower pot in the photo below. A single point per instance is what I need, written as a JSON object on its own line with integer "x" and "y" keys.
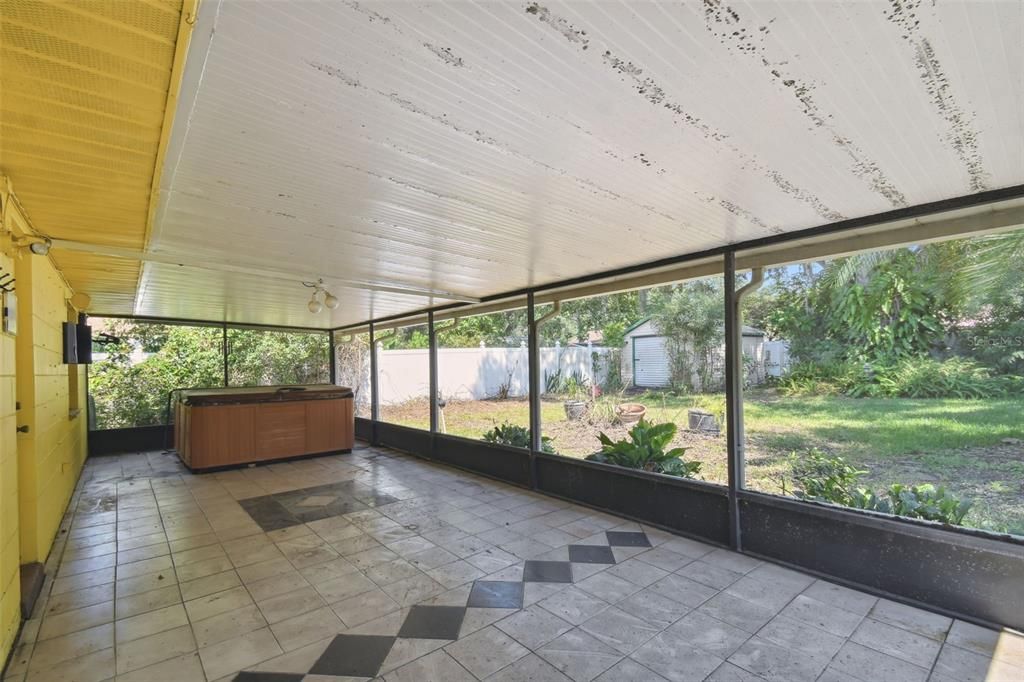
{"x": 630, "y": 413}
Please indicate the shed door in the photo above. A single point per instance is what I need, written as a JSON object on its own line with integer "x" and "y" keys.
{"x": 650, "y": 362}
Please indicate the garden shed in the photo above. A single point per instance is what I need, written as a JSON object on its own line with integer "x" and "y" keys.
{"x": 647, "y": 363}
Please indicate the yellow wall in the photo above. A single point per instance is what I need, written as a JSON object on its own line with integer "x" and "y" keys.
{"x": 38, "y": 470}
{"x": 9, "y": 549}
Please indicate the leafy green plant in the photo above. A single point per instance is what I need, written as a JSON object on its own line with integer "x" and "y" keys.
{"x": 928, "y": 502}
{"x": 646, "y": 449}
{"x": 553, "y": 382}
{"x": 822, "y": 478}
{"x": 576, "y": 387}
{"x": 517, "y": 436}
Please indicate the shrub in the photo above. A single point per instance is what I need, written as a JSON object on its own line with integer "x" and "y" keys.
{"x": 908, "y": 378}
{"x": 930, "y": 378}
{"x": 812, "y": 378}
{"x": 831, "y": 479}
{"x": 928, "y": 502}
{"x": 517, "y": 436}
{"x": 824, "y": 478}
{"x": 646, "y": 449}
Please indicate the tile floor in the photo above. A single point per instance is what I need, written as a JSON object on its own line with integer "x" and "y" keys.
{"x": 376, "y": 565}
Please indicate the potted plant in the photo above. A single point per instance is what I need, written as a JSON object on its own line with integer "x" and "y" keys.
{"x": 577, "y": 393}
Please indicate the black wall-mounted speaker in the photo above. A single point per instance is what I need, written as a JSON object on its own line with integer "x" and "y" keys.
{"x": 84, "y": 334}
{"x": 70, "y": 343}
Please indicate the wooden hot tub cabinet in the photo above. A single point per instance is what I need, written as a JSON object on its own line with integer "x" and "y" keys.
{"x": 220, "y": 427}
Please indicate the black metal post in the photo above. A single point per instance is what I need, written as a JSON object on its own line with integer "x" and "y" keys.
{"x": 432, "y": 355}
{"x": 533, "y": 357}
{"x": 374, "y": 390}
{"x": 334, "y": 357}
{"x": 733, "y": 399}
{"x": 224, "y": 349}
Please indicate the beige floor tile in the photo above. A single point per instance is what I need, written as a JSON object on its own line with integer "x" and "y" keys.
{"x": 290, "y": 533}
{"x": 72, "y": 553}
{"x": 146, "y": 624}
{"x": 240, "y": 652}
{"x": 291, "y": 604}
{"x": 92, "y": 536}
{"x": 186, "y": 668}
{"x": 276, "y": 585}
{"x": 133, "y": 605}
{"x": 144, "y": 567}
{"x": 217, "y": 603}
{"x": 76, "y": 619}
{"x": 345, "y": 587}
{"x": 145, "y": 651}
{"x": 204, "y": 553}
{"x": 82, "y": 581}
{"x": 307, "y": 628}
{"x": 201, "y": 587}
{"x": 203, "y": 568}
{"x": 193, "y": 542}
{"x": 142, "y": 541}
{"x": 227, "y": 625}
{"x": 188, "y": 530}
{"x": 93, "y": 667}
{"x": 52, "y": 652}
{"x": 144, "y": 583}
{"x": 129, "y": 556}
{"x": 239, "y": 531}
{"x": 321, "y": 573}
{"x": 265, "y": 569}
{"x": 365, "y": 607}
{"x": 77, "y": 599}
{"x": 298, "y": 661}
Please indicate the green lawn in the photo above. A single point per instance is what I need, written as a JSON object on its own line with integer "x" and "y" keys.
{"x": 952, "y": 442}
{"x": 886, "y": 427}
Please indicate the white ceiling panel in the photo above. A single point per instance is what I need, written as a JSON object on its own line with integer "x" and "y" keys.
{"x": 479, "y": 148}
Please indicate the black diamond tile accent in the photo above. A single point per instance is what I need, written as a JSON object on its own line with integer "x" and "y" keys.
{"x": 433, "y": 622}
{"x": 246, "y": 676}
{"x": 269, "y": 513}
{"x": 284, "y": 509}
{"x": 496, "y": 594}
{"x": 353, "y": 655}
{"x": 591, "y": 554}
{"x": 547, "y": 572}
{"x": 618, "y": 538}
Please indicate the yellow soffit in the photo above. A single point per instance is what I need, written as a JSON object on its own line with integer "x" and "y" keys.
{"x": 89, "y": 93}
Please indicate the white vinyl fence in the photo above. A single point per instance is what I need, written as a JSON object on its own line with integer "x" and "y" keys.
{"x": 471, "y": 373}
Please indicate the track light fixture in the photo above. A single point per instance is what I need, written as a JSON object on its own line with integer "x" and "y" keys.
{"x": 314, "y": 305}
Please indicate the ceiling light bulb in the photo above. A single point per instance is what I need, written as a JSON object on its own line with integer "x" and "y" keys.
{"x": 331, "y": 301}
{"x": 40, "y": 248}
{"x": 315, "y": 306}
